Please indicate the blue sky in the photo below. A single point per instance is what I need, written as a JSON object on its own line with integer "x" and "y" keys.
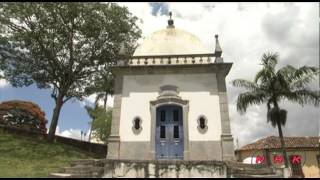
{"x": 72, "y": 116}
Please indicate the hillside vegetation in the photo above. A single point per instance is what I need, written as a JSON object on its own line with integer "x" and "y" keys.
{"x": 22, "y": 156}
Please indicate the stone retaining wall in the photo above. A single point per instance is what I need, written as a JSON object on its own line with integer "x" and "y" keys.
{"x": 164, "y": 169}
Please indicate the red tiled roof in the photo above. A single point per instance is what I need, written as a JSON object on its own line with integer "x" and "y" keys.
{"x": 273, "y": 142}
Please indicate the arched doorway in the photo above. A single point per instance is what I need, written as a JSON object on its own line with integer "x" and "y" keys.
{"x": 169, "y": 140}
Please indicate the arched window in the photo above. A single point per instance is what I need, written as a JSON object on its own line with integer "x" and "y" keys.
{"x": 137, "y": 125}
{"x": 202, "y": 124}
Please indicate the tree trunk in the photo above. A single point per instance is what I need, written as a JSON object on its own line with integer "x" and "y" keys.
{"x": 267, "y": 151}
{"x": 55, "y": 118}
{"x": 89, "y": 139}
{"x": 286, "y": 163}
{"x": 90, "y": 134}
{"x": 105, "y": 101}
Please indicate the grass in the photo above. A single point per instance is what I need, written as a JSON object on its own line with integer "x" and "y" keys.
{"x": 34, "y": 158}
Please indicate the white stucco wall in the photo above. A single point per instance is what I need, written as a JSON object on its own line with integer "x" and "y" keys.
{"x": 199, "y": 89}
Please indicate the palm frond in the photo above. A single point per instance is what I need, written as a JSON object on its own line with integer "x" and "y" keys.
{"x": 303, "y": 76}
{"x": 245, "y": 84}
{"x": 249, "y": 98}
{"x": 303, "y": 96}
{"x": 293, "y": 97}
{"x": 260, "y": 75}
{"x": 270, "y": 59}
{"x": 287, "y": 71}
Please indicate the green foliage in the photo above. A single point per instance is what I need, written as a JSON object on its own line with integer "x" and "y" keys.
{"x": 101, "y": 122}
{"x": 23, "y": 114}
{"x": 63, "y": 46}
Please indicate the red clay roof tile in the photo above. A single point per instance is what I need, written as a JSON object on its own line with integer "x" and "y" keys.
{"x": 273, "y": 142}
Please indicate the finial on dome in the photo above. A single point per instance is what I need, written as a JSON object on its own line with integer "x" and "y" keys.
{"x": 218, "y": 50}
{"x": 170, "y": 21}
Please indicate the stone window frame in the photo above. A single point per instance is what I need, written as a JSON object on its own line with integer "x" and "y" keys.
{"x": 136, "y": 131}
{"x": 205, "y": 129}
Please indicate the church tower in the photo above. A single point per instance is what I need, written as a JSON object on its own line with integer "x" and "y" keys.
{"x": 170, "y": 101}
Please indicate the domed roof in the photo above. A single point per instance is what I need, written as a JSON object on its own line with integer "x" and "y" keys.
{"x": 170, "y": 41}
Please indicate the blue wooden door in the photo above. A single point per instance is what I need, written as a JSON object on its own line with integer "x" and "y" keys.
{"x": 169, "y": 132}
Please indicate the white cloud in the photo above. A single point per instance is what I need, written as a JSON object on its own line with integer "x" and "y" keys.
{"x": 3, "y": 82}
{"x": 73, "y": 133}
{"x": 90, "y": 100}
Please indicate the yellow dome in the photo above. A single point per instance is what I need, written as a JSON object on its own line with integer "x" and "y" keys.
{"x": 171, "y": 41}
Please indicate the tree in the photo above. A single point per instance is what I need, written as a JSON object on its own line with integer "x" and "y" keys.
{"x": 271, "y": 86}
{"x": 23, "y": 114}
{"x": 101, "y": 122}
{"x": 62, "y": 46}
{"x": 103, "y": 87}
{"x": 104, "y": 82}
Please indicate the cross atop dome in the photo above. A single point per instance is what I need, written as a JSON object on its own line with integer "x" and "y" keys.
{"x": 170, "y": 21}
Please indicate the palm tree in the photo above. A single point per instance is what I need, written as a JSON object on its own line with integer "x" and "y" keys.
{"x": 103, "y": 88}
{"x": 270, "y": 86}
{"x": 104, "y": 96}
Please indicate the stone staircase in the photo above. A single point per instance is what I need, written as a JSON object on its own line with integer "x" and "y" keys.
{"x": 240, "y": 170}
{"x": 83, "y": 168}
{"x": 94, "y": 168}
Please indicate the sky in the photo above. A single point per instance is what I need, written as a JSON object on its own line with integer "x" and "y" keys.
{"x": 246, "y": 31}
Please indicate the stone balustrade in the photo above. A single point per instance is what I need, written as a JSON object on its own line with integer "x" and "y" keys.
{"x": 170, "y": 60}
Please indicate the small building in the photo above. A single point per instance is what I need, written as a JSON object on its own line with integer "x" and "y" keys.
{"x": 170, "y": 114}
{"x": 303, "y": 154}
{"x": 170, "y": 101}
